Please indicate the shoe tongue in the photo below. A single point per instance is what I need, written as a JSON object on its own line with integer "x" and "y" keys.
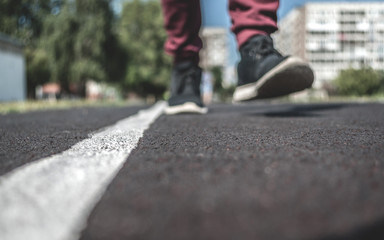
{"x": 259, "y": 43}
{"x": 258, "y": 46}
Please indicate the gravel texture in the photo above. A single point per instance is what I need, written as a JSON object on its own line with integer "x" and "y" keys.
{"x": 254, "y": 171}
{"x": 31, "y": 136}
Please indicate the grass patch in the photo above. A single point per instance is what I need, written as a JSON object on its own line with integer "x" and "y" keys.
{"x": 28, "y": 106}
{"x": 321, "y": 96}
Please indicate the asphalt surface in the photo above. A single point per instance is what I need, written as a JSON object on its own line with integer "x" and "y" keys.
{"x": 254, "y": 171}
{"x": 28, "y": 137}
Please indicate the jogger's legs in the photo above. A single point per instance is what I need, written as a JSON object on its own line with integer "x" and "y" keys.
{"x": 182, "y": 20}
{"x": 252, "y": 17}
{"x": 263, "y": 72}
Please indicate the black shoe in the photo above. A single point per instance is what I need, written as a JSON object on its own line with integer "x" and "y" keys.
{"x": 265, "y": 73}
{"x": 185, "y": 90}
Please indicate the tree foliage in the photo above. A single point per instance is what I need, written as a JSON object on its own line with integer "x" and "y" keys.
{"x": 24, "y": 19}
{"x": 71, "y": 41}
{"x": 38, "y": 71}
{"x": 58, "y": 39}
{"x": 142, "y": 34}
{"x": 223, "y": 93}
{"x": 95, "y": 22}
{"x": 359, "y": 82}
{"x": 77, "y": 39}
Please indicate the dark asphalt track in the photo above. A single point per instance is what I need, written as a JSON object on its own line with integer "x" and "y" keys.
{"x": 254, "y": 171}
{"x": 31, "y": 136}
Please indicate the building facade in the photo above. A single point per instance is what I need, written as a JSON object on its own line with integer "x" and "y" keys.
{"x": 334, "y": 36}
{"x": 216, "y": 53}
{"x": 12, "y": 70}
{"x": 215, "y": 50}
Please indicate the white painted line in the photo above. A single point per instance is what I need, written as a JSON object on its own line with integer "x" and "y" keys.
{"x": 51, "y": 199}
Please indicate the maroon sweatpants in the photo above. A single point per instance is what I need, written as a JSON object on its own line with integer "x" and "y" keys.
{"x": 183, "y": 21}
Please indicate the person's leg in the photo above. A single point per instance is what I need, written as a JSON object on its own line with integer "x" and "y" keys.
{"x": 182, "y": 23}
{"x": 252, "y": 17}
{"x": 262, "y": 71}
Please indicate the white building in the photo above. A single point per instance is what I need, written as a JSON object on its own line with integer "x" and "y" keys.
{"x": 12, "y": 70}
{"x": 333, "y": 36}
{"x": 215, "y": 50}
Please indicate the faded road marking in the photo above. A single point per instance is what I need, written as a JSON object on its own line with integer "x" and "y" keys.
{"x": 51, "y": 199}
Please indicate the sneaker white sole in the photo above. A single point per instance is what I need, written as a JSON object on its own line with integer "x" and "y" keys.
{"x": 291, "y": 75}
{"x": 188, "y": 107}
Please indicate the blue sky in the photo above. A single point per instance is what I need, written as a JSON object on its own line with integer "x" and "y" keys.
{"x": 215, "y": 11}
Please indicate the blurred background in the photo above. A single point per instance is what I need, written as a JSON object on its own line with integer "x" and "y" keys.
{"x": 113, "y": 49}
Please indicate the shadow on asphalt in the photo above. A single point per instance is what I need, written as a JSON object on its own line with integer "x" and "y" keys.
{"x": 277, "y": 110}
{"x": 374, "y": 231}
{"x": 310, "y": 110}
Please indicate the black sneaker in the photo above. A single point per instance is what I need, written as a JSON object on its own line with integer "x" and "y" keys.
{"x": 185, "y": 90}
{"x": 264, "y": 73}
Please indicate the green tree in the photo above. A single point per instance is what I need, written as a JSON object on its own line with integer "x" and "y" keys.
{"x": 358, "y": 82}
{"x": 224, "y": 93}
{"x": 38, "y": 71}
{"x": 94, "y": 19}
{"x": 81, "y": 44}
{"x": 23, "y": 19}
{"x": 142, "y": 34}
{"x": 59, "y": 40}
{"x": 10, "y": 12}
{"x": 67, "y": 41}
